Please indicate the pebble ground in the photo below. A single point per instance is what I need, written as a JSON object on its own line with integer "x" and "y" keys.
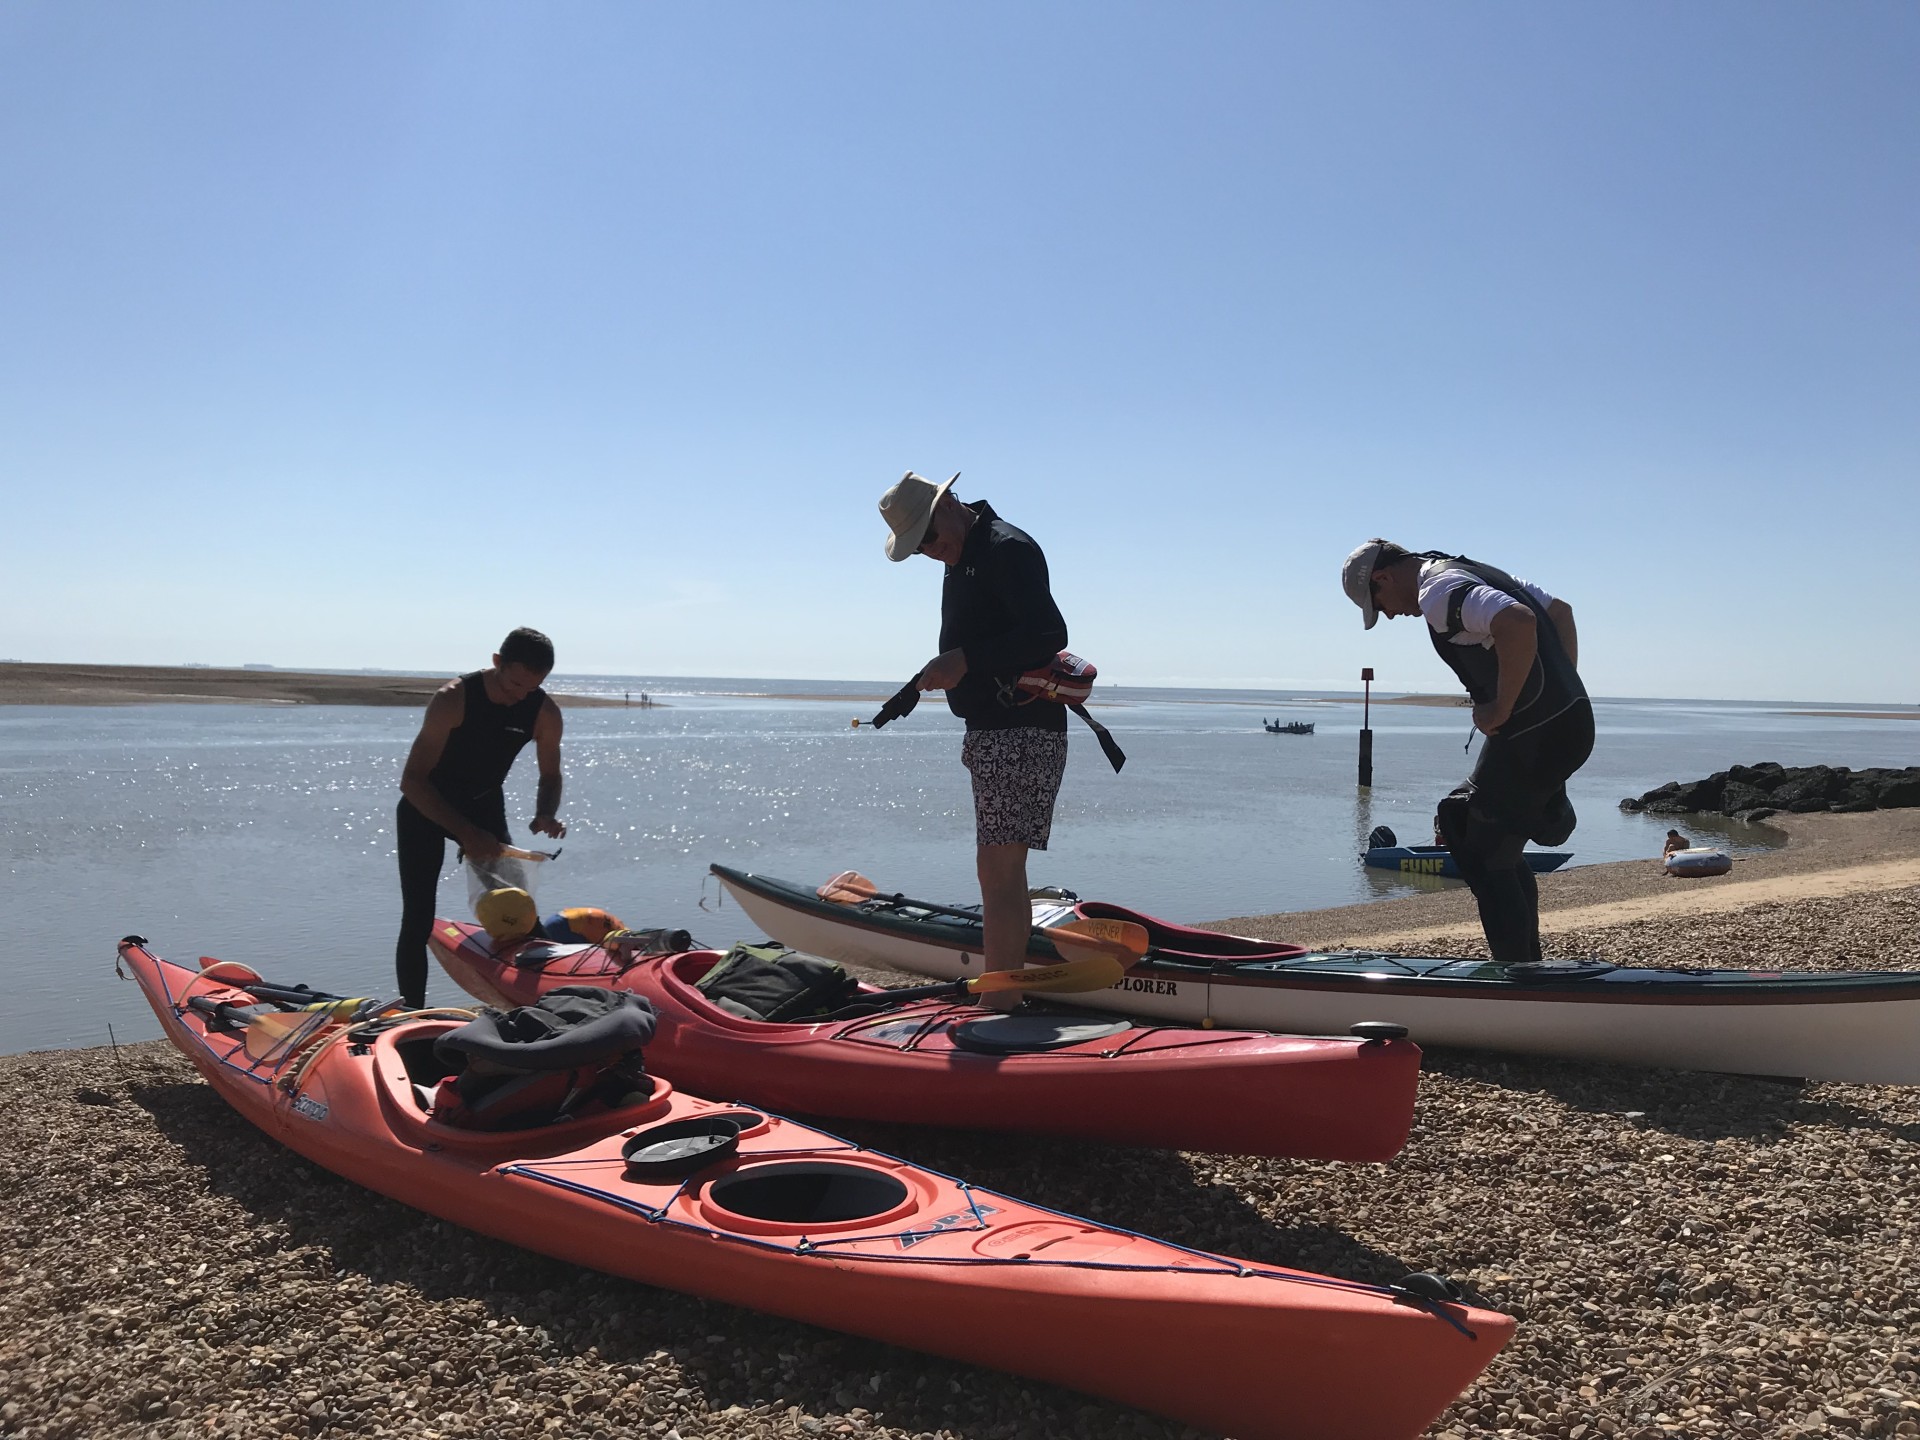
{"x": 1688, "y": 1255}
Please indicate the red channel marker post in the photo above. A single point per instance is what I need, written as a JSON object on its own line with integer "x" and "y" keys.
{"x": 1366, "y": 729}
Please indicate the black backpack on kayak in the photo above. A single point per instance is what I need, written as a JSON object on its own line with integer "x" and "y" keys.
{"x": 771, "y": 982}
{"x": 573, "y": 1052}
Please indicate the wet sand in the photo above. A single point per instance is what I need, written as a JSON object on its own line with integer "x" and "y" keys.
{"x": 24, "y": 684}
{"x": 1826, "y": 855}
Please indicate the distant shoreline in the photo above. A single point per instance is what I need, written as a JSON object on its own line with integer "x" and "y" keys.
{"x": 31, "y": 684}
{"x": 38, "y": 683}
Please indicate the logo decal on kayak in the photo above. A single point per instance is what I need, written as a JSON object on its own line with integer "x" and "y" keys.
{"x": 947, "y": 1222}
{"x": 1152, "y": 987}
{"x": 306, "y": 1105}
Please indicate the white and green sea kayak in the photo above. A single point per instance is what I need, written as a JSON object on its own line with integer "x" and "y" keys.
{"x": 1861, "y": 1026}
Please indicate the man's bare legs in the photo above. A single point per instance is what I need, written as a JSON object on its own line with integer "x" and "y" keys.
{"x": 1006, "y": 915}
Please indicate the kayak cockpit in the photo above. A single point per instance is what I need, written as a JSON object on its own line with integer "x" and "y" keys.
{"x": 411, "y": 1077}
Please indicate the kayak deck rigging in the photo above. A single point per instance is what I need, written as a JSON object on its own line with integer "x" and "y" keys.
{"x": 1332, "y": 966}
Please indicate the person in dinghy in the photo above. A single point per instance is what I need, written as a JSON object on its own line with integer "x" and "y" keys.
{"x": 1517, "y": 652}
{"x": 997, "y": 620}
{"x": 453, "y": 786}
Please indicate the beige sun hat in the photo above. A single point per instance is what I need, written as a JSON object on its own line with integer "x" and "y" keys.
{"x": 908, "y": 510}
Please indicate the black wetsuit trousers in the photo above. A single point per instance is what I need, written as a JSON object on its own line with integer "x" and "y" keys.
{"x": 1517, "y": 793}
{"x": 423, "y": 851}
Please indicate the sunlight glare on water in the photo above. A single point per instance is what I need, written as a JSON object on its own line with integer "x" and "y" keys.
{"x": 265, "y": 834}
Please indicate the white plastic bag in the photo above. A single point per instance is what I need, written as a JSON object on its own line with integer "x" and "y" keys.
{"x": 503, "y": 872}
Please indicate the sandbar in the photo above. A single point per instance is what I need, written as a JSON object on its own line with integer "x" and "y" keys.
{"x": 38, "y": 684}
{"x": 1861, "y": 714}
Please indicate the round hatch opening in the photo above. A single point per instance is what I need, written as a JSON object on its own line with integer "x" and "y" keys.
{"x": 808, "y": 1196}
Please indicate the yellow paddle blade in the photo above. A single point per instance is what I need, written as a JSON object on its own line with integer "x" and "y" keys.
{"x": 281, "y": 1031}
{"x": 1125, "y": 940}
{"x": 1093, "y": 972}
{"x": 269, "y": 1036}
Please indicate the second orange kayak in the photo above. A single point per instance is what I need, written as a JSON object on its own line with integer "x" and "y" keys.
{"x": 932, "y": 1062}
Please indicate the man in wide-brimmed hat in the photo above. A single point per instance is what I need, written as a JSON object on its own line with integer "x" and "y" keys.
{"x": 997, "y": 619}
{"x": 1515, "y": 649}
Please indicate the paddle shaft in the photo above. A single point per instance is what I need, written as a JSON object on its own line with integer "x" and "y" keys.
{"x": 1050, "y": 932}
{"x": 227, "y": 1011}
{"x": 1069, "y": 977}
{"x": 945, "y": 990}
{"x": 955, "y": 910}
{"x": 257, "y": 984}
{"x": 1108, "y": 937}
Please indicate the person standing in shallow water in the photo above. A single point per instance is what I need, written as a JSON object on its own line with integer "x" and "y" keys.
{"x": 453, "y": 786}
{"x": 997, "y": 620}
{"x": 1517, "y": 652}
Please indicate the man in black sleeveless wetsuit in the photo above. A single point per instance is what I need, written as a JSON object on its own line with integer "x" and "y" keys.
{"x": 452, "y": 787}
{"x": 1517, "y": 652}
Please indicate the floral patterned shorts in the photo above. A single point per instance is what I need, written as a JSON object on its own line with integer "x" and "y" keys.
{"x": 1016, "y": 778}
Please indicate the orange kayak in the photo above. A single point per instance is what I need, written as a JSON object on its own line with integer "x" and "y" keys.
{"x": 937, "y": 1062}
{"x": 798, "y": 1223}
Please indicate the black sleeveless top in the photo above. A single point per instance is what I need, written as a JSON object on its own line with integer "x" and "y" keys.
{"x": 481, "y": 749}
{"x": 1553, "y": 685}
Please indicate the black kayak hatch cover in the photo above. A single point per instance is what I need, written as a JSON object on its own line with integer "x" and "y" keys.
{"x": 1025, "y": 1034}
{"x": 680, "y": 1147}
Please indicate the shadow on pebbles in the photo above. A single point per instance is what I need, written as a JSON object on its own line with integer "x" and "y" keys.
{"x": 1687, "y": 1254}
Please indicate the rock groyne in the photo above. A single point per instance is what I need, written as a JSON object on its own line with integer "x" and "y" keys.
{"x": 1753, "y": 792}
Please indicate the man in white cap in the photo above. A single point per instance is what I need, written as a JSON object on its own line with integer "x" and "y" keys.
{"x": 1516, "y": 651}
{"x": 997, "y": 620}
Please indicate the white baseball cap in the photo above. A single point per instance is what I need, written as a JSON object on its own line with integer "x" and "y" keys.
{"x": 1356, "y": 578}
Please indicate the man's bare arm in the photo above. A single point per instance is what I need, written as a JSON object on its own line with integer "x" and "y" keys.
{"x": 546, "y": 744}
{"x": 1515, "y": 644}
{"x": 1561, "y": 614}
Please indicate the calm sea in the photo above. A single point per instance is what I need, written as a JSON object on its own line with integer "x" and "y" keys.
{"x": 265, "y": 834}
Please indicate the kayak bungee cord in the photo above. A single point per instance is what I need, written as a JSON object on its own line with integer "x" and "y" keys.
{"x": 1211, "y": 1263}
{"x": 1430, "y": 1295}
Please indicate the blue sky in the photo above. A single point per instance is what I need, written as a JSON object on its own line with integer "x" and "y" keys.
{"x": 353, "y": 334}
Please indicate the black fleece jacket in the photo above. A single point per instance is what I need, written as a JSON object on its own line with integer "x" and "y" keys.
{"x": 996, "y": 607}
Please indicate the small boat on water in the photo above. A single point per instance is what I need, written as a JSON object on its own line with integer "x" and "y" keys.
{"x": 1861, "y": 1026}
{"x": 740, "y": 1206}
{"x": 1438, "y": 860}
{"x": 1056, "y": 1071}
{"x": 1291, "y": 727}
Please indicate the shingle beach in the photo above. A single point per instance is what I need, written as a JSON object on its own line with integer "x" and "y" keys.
{"x": 1688, "y": 1255}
